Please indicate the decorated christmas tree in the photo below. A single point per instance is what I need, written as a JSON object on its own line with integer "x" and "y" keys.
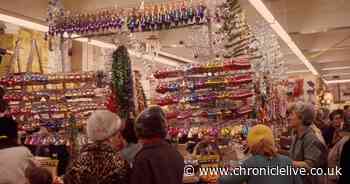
{"x": 238, "y": 37}
{"x": 122, "y": 83}
{"x": 112, "y": 104}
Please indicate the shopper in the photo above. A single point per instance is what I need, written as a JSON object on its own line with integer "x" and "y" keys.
{"x": 208, "y": 146}
{"x": 14, "y": 158}
{"x": 132, "y": 146}
{"x": 331, "y": 133}
{"x": 345, "y": 159}
{"x": 100, "y": 162}
{"x": 306, "y": 150}
{"x": 38, "y": 175}
{"x": 322, "y": 118}
{"x": 264, "y": 155}
{"x": 157, "y": 162}
{"x": 318, "y": 133}
{"x": 339, "y": 153}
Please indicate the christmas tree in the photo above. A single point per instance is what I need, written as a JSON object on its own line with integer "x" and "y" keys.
{"x": 111, "y": 103}
{"x": 238, "y": 37}
{"x": 122, "y": 82}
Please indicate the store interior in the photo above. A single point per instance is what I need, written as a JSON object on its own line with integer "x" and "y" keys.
{"x": 216, "y": 69}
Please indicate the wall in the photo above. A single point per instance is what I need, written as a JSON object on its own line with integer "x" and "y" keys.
{"x": 25, "y": 36}
{"x": 306, "y": 77}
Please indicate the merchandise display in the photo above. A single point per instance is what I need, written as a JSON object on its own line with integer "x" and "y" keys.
{"x": 213, "y": 91}
{"x": 46, "y": 100}
{"x": 157, "y": 17}
{"x": 221, "y": 81}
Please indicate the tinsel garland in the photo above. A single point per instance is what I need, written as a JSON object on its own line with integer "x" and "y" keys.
{"x": 140, "y": 94}
{"x": 122, "y": 82}
{"x": 239, "y": 36}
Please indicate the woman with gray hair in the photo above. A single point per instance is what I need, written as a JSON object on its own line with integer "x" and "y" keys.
{"x": 100, "y": 162}
{"x": 307, "y": 151}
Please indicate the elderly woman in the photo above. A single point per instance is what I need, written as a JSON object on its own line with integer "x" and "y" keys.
{"x": 307, "y": 150}
{"x": 100, "y": 161}
{"x": 262, "y": 146}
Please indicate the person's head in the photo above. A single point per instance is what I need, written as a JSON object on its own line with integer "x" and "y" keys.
{"x": 261, "y": 141}
{"x": 337, "y": 118}
{"x": 129, "y": 133}
{"x": 151, "y": 123}
{"x": 300, "y": 114}
{"x": 105, "y": 126}
{"x": 8, "y": 133}
{"x": 38, "y": 175}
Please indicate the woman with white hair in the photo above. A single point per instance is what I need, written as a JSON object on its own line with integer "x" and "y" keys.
{"x": 307, "y": 150}
{"x": 100, "y": 161}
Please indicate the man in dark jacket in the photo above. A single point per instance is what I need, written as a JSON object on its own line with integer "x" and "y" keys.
{"x": 157, "y": 162}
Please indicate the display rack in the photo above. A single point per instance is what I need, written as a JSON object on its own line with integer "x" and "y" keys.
{"x": 44, "y": 100}
{"x": 213, "y": 92}
{"x": 49, "y": 100}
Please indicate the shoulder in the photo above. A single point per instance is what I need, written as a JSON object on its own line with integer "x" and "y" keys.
{"x": 254, "y": 160}
{"x": 284, "y": 159}
{"x": 19, "y": 150}
{"x": 311, "y": 136}
{"x": 258, "y": 161}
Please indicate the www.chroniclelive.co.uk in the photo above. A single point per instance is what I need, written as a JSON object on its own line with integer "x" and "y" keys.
{"x": 263, "y": 171}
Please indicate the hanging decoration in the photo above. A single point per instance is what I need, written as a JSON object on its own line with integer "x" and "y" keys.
{"x": 140, "y": 103}
{"x": 213, "y": 92}
{"x": 272, "y": 61}
{"x": 237, "y": 37}
{"x": 151, "y": 18}
{"x": 122, "y": 82}
{"x": 55, "y": 11}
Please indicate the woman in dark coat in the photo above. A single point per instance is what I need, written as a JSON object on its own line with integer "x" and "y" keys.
{"x": 157, "y": 162}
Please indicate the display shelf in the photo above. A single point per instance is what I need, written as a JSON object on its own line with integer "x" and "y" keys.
{"x": 238, "y": 64}
{"x": 203, "y": 84}
{"x": 209, "y": 92}
{"x": 30, "y": 102}
{"x": 33, "y": 79}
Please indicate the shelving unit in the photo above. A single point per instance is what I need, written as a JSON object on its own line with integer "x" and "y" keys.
{"x": 36, "y": 97}
{"x": 216, "y": 92}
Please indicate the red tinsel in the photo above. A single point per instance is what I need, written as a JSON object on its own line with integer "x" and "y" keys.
{"x": 111, "y": 103}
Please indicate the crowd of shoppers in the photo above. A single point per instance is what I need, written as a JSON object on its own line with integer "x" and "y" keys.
{"x": 319, "y": 140}
{"x": 136, "y": 152}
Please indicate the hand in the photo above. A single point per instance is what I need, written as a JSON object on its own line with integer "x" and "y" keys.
{"x": 300, "y": 164}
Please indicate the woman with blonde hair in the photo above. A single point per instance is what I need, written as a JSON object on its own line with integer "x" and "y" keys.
{"x": 264, "y": 156}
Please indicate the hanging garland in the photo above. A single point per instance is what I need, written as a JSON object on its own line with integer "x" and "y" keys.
{"x": 151, "y": 18}
{"x": 238, "y": 37}
{"x": 122, "y": 81}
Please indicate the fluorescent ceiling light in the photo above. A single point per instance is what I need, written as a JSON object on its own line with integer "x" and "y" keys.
{"x": 298, "y": 71}
{"x": 44, "y": 28}
{"x": 23, "y": 23}
{"x": 337, "y": 74}
{"x": 267, "y": 15}
{"x": 337, "y": 81}
{"x": 176, "y": 57}
{"x": 336, "y": 68}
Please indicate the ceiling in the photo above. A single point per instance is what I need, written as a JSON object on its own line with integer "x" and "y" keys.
{"x": 320, "y": 28}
